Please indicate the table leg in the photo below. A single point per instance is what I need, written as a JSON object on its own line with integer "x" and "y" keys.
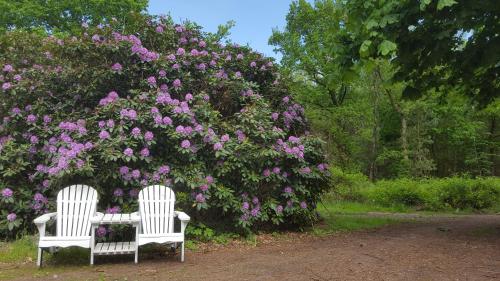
{"x": 92, "y": 244}
{"x": 136, "y": 244}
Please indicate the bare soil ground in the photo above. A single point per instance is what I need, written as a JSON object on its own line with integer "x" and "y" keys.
{"x": 430, "y": 248}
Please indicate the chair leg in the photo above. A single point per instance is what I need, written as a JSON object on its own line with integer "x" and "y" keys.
{"x": 40, "y": 255}
{"x": 182, "y": 252}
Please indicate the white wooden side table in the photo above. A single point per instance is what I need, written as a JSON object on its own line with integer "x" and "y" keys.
{"x": 114, "y": 248}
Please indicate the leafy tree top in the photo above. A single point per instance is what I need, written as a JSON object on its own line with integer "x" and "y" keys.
{"x": 65, "y": 15}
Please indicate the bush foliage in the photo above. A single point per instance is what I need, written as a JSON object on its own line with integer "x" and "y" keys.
{"x": 157, "y": 103}
{"x": 427, "y": 194}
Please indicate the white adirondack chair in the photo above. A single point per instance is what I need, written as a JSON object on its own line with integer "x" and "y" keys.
{"x": 156, "y": 211}
{"x": 76, "y": 204}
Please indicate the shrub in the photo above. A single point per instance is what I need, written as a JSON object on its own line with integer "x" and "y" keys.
{"x": 164, "y": 103}
{"x": 349, "y": 186}
{"x": 437, "y": 194}
{"x": 396, "y": 192}
{"x": 458, "y": 193}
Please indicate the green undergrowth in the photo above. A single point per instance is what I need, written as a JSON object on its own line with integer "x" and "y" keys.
{"x": 354, "y": 192}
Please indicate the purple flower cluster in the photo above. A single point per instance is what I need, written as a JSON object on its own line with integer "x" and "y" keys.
{"x": 177, "y": 83}
{"x": 101, "y": 231}
{"x": 79, "y": 126}
{"x": 8, "y": 68}
{"x": 7, "y": 192}
{"x": 136, "y": 132}
{"x": 128, "y": 152}
{"x": 11, "y": 217}
{"x": 250, "y": 209}
{"x": 145, "y": 152}
{"x": 322, "y": 166}
{"x": 188, "y": 130}
{"x": 275, "y": 116}
{"x": 266, "y": 173}
{"x": 62, "y": 156}
{"x": 144, "y": 54}
{"x": 297, "y": 150}
{"x": 240, "y": 135}
{"x": 152, "y": 81}
{"x": 6, "y": 86}
{"x": 200, "y": 198}
{"x": 104, "y": 135}
{"x": 31, "y": 118}
{"x": 113, "y": 210}
{"x": 185, "y": 144}
{"x": 163, "y": 170}
{"x": 128, "y": 113}
{"x": 133, "y": 193}
{"x": 293, "y": 113}
{"x": 218, "y": 146}
{"x": 117, "y": 67}
{"x": 148, "y": 136}
{"x": 118, "y": 192}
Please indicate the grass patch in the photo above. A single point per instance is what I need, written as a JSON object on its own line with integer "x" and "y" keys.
{"x": 18, "y": 251}
{"x": 350, "y": 207}
{"x": 345, "y": 223}
{"x": 344, "y": 216}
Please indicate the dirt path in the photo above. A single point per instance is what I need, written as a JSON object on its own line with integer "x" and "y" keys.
{"x": 438, "y": 248}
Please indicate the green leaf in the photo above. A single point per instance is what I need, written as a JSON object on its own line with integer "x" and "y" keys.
{"x": 370, "y": 24}
{"x": 365, "y": 48}
{"x": 445, "y": 3}
{"x": 424, "y": 3}
{"x": 386, "y": 47}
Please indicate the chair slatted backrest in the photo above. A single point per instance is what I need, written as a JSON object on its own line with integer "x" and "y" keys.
{"x": 156, "y": 207}
{"x": 76, "y": 204}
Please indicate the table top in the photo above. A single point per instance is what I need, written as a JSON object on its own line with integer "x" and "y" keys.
{"x": 115, "y": 219}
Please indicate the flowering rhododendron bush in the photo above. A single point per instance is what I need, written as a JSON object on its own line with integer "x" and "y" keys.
{"x": 159, "y": 103}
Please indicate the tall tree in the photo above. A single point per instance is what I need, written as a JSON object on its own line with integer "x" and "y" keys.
{"x": 64, "y": 15}
{"x": 412, "y": 61}
{"x": 434, "y": 43}
{"x": 316, "y": 44}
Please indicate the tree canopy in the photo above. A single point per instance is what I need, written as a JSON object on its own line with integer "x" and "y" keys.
{"x": 432, "y": 44}
{"x": 398, "y": 88}
{"x": 65, "y": 15}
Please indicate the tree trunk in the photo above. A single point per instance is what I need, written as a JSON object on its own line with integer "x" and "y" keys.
{"x": 397, "y": 107}
{"x": 493, "y": 148}
{"x": 375, "y": 131}
{"x": 404, "y": 136}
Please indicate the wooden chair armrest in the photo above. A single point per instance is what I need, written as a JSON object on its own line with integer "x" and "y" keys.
{"x": 183, "y": 217}
{"x": 43, "y": 219}
{"x": 96, "y": 219}
{"x": 135, "y": 216}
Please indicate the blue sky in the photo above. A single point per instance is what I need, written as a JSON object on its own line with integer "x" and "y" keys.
{"x": 254, "y": 19}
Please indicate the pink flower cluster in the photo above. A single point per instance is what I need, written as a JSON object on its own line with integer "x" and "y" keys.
{"x": 250, "y": 209}
{"x": 128, "y": 113}
{"x": 292, "y": 114}
{"x": 110, "y": 98}
{"x": 293, "y": 147}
